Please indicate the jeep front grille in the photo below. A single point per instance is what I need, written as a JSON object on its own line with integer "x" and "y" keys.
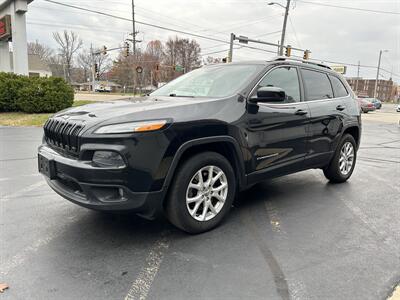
{"x": 63, "y": 135}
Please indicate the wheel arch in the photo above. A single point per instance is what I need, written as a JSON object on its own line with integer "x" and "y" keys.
{"x": 355, "y": 132}
{"x": 224, "y": 145}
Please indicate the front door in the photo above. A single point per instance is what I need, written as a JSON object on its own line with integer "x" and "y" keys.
{"x": 277, "y": 133}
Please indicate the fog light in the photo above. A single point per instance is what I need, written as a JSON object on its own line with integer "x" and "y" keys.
{"x": 108, "y": 159}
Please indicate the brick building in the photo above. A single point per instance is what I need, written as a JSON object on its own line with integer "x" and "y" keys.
{"x": 365, "y": 87}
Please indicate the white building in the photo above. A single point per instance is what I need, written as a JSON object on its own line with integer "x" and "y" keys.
{"x": 36, "y": 67}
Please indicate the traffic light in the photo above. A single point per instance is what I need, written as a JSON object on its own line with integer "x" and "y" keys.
{"x": 288, "y": 50}
{"x": 103, "y": 50}
{"x": 96, "y": 71}
{"x": 126, "y": 50}
{"x": 306, "y": 54}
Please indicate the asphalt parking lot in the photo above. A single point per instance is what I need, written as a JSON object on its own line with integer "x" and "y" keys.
{"x": 295, "y": 237}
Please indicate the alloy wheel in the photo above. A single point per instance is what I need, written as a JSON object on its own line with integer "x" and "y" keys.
{"x": 206, "y": 193}
{"x": 346, "y": 158}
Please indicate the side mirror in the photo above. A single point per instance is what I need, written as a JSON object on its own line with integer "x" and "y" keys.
{"x": 269, "y": 94}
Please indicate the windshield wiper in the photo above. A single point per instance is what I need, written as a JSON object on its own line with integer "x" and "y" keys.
{"x": 175, "y": 95}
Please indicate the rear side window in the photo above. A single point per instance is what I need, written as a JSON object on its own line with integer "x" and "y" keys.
{"x": 338, "y": 88}
{"x": 317, "y": 85}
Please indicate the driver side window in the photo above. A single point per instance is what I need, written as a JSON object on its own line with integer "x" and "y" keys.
{"x": 285, "y": 78}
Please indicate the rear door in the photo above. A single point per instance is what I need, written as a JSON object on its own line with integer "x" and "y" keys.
{"x": 277, "y": 133}
{"x": 326, "y": 116}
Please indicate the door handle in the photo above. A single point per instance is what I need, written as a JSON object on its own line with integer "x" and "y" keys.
{"x": 301, "y": 112}
{"x": 340, "y": 107}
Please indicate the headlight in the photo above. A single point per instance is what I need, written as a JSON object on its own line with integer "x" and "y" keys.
{"x": 132, "y": 127}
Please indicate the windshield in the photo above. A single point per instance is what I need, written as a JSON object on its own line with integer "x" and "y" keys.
{"x": 217, "y": 81}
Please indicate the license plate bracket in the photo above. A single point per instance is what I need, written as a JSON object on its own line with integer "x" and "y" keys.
{"x": 47, "y": 167}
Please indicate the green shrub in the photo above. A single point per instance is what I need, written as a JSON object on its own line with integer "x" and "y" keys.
{"x": 10, "y": 84}
{"x": 34, "y": 95}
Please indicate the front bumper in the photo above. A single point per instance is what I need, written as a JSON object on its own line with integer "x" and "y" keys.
{"x": 368, "y": 109}
{"x": 99, "y": 188}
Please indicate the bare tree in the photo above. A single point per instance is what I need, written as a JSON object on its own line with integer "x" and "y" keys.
{"x": 212, "y": 60}
{"x": 183, "y": 52}
{"x": 44, "y": 52}
{"x": 155, "y": 49}
{"x": 85, "y": 61}
{"x": 69, "y": 43}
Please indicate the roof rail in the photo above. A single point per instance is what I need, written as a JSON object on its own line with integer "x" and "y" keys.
{"x": 284, "y": 58}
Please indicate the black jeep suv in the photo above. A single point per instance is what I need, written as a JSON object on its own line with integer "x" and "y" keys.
{"x": 190, "y": 146}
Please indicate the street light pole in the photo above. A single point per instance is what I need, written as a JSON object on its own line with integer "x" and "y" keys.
{"x": 284, "y": 23}
{"x": 358, "y": 76}
{"x": 377, "y": 72}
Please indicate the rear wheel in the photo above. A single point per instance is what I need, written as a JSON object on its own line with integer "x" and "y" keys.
{"x": 202, "y": 193}
{"x": 343, "y": 162}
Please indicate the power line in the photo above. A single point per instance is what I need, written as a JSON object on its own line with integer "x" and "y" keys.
{"x": 220, "y": 51}
{"x": 348, "y": 64}
{"x": 260, "y": 35}
{"x": 294, "y": 32}
{"x": 150, "y": 25}
{"x": 350, "y": 8}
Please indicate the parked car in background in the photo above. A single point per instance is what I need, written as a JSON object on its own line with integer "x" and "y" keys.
{"x": 398, "y": 108}
{"x": 377, "y": 103}
{"x": 365, "y": 105}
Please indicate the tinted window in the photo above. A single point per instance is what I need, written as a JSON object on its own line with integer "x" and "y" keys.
{"x": 317, "y": 85}
{"x": 287, "y": 79}
{"x": 338, "y": 88}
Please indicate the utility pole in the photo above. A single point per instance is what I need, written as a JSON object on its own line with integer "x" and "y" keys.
{"x": 133, "y": 30}
{"x": 231, "y": 47}
{"x": 93, "y": 71}
{"x": 282, "y": 44}
{"x": 284, "y": 27}
{"x": 377, "y": 72}
{"x": 358, "y": 76}
{"x": 279, "y": 48}
{"x": 134, "y": 46}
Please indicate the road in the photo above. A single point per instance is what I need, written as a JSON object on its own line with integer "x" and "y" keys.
{"x": 295, "y": 237}
{"x": 100, "y": 96}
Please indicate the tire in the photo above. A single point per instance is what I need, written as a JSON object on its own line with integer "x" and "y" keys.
{"x": 184, "y": 215}
{"x": 336, "y": 172}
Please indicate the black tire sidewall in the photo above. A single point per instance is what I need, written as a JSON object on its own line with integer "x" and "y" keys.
{"x": 176, "y": 208}
{"x": 334, "y": 168}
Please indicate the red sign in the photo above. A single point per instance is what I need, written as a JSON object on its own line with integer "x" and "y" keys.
{"x": 5, "y": 28}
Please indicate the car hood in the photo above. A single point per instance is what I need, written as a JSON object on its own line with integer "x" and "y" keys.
{"x": 179, "y": 109}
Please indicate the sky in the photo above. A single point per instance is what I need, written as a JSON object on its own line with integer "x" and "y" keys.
{"x": 330, "y": 33}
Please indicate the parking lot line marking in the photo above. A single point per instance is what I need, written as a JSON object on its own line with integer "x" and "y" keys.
{"x": 23, "y": 255}
{"x": 19, "y": 193}
{"x": 141, "y": 286}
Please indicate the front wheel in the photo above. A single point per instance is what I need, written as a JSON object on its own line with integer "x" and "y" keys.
{"x": 202, "y": 193}
{"x": 343, "y": 162}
